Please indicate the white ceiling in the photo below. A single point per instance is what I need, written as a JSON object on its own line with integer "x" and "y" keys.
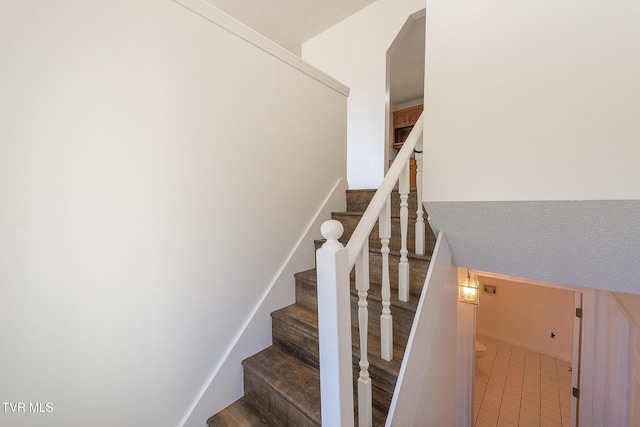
{"x": 290, "y": 22}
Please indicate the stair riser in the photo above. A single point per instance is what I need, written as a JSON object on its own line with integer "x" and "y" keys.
{"x": 417, "y": 271}
{"x": 402, "y": 319}
{"x": 281, "y": 382}
{"x": 306, "y": 348}
{"x": 382, "y": 388}
{"x": 358, "y": 201}
{"x": 275, "y": 409}
{"x": 306, "y": 345}
{"x": 307, "y": 294}
{"x": 349, "y": 222}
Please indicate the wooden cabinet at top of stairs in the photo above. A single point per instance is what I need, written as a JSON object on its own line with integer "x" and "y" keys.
{"x": 403, "y": 121}
{"x": 412, "y": 174}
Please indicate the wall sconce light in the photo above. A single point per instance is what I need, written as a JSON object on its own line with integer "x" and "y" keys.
{"x": 468, "y": 289}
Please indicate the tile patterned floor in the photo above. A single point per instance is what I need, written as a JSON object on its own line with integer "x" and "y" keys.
{"x": 518, "y": 387}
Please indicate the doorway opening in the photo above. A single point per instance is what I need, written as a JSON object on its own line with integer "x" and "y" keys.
{"x": 404, "y": 83}
{"x": 532, "y": 338}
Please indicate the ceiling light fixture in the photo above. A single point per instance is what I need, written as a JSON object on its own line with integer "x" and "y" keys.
{"x": 469, "y": 289}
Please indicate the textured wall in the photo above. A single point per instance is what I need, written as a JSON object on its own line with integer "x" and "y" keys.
{"x": 583, "y": 243}
{"x": 536, "y": 103}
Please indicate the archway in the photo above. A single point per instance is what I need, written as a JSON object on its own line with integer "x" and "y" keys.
{"x": 404, "y": 77}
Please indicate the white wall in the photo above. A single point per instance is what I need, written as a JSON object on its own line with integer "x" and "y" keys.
{"x": 430, "y": 356}
{"x": 525, "y": 315}
{"x": 354, "y": 51}
{"x": 154, "y": 175}
{"x": 226, "y": 379}
{"x": 532, "y": 100}
{"x": 531, "y": 138}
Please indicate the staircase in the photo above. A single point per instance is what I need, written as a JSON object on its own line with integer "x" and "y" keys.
{"x": 282, "y": 383}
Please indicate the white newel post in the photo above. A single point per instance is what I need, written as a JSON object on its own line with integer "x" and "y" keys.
{"x": 334, "y": 329}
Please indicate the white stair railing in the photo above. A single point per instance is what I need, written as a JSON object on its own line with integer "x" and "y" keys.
{"x": 334, "y": 264}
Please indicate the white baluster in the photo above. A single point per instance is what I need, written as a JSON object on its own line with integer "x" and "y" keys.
{"x": 334, "y": 328}
{"x": 386, "y": 321}
{"x": 420, "y": 232}
{"x": 365, "y": 410}
{"x": 403, "y": 266}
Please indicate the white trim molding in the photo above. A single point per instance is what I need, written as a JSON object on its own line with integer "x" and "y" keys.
{"x": 226, "y": 21}
{"x": 278, "y": 294}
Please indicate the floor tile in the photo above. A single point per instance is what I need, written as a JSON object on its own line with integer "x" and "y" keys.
{"x": 551, "y": 414}
{"x": 509, "y": 416}
{"x": 546, "y": 422}
{"x": 519, "y": 387}
{"x": 487, "y": 416}
{"x": 530, "y": 415}
{"x": 481, "y": 423}
{"x": 528, "y": 423}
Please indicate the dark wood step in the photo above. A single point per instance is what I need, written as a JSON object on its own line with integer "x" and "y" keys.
{"x": 358, "y": 201}
{"x": 295, "y": 328}
{"x": 238, "y": 414}
{"x": 418, "y": 267}
{"x": 285, "y": 390}
{"x": 281, "y": 387}
{"x": 350, "y": 220}
{"x": 402, "y": 312}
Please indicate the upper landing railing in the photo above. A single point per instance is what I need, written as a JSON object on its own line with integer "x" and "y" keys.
{"x": 334, "y": 264}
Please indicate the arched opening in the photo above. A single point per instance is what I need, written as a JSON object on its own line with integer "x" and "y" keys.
{"x": 404, "y": 83}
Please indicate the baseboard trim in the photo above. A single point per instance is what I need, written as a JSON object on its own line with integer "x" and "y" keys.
{"x": 521, "y": 345}
{"x": 334, "y": 201}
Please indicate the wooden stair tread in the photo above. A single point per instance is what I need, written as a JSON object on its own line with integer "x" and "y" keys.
{"x": 295, "y": 381}
{"x": 358, "y": 214}
{"x": 288, "y": 376}
{"x": 307, "y": 275}
{"x": 306, "y": 321}
{"x": 392, "y": 253}
{"x": 239, "y": 414}
{"x": 358, "y": 200}
{"x": 374, "y": 292}
{"x": 282, "y": 382}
